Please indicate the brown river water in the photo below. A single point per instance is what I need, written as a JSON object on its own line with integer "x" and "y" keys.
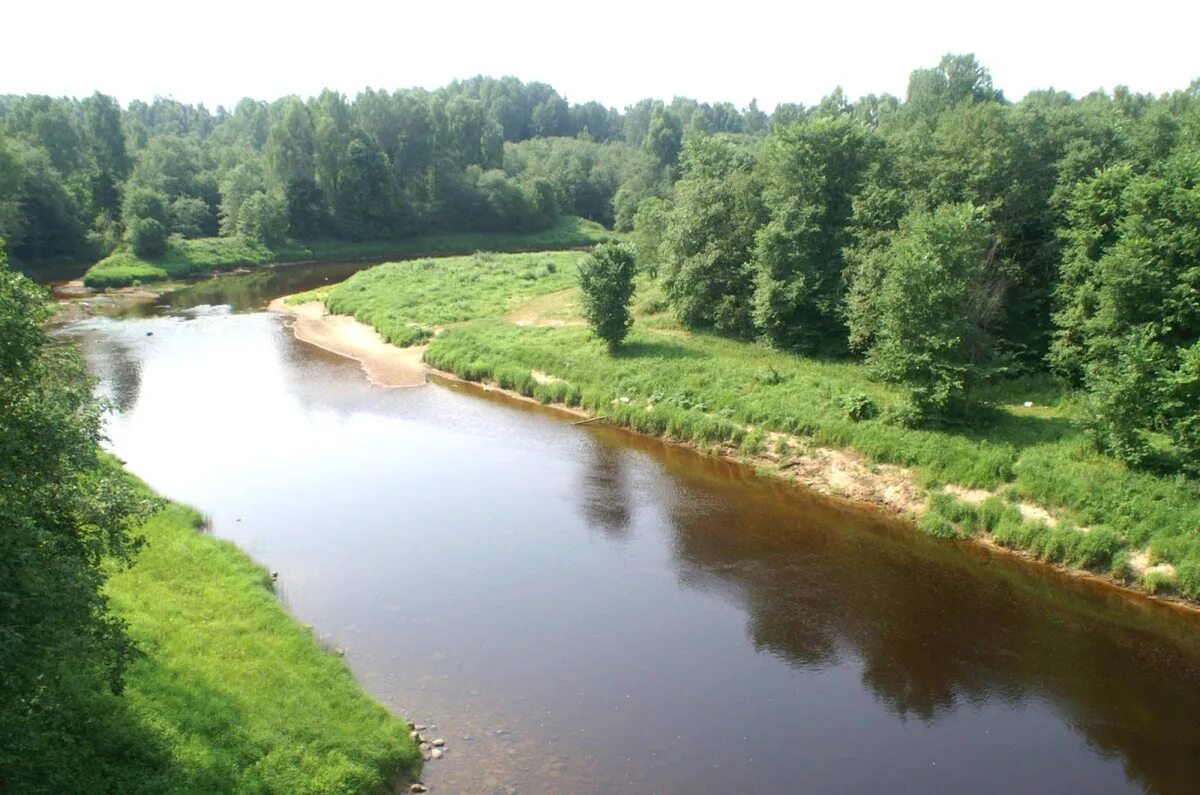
{"x": 578, "y": 609}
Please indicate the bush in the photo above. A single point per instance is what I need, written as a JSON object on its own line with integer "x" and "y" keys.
{"x": 147, "y": 237}
{"x": 1096, "y": 549}
{"x": 1189, "y": 578}
{"x": 606, "y": 281}
{"x": 903, "y": 415}
{"x": 859, "y": 407}
{"x": 934, "y": 524}
{"x": 1122, "y": 567}
{"x": 1157, "y": 582}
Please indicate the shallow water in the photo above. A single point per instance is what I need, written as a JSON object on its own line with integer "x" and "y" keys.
{"x": 578, "y": 609}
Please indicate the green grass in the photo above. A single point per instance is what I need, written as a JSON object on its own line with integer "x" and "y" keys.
{"x": 404, "y": 300}
{"x": 183, "y": 258}
{"x": 191, "y": 257}
{"x": 233, "y": 695}
{"x": 315, "y": 294}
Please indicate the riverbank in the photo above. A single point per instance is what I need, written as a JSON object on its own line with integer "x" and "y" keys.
{"x": 190, "y": 258}
{"x": 232, "y": 693}
{"x": 385, "y": 365}
{"x": 1026, "y": 479}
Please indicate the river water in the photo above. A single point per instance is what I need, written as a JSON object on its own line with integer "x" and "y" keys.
{"x": 583, "y": 610}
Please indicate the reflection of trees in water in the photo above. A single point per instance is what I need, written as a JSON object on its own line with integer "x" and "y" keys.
{"x": 605, "y": 489}
{"x": 936, "y": 629}
{"x": 250, "y": 291}
{"x": 243, "y": 291}
{"x": 115, "y": 364}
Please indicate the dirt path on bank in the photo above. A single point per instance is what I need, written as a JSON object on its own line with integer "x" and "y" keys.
{"x": 384, "y": 364}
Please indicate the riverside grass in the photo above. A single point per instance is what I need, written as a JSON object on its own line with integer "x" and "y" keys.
{"x": 712, "y": 391}
{"x": 232, "y": 694}
{"x": 405, "y": 300}
{"x": 190, "y": 257}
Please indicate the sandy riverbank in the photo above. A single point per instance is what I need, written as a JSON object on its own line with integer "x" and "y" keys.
{"x": 384, "y": 364}
{"x": 838, "y": 474}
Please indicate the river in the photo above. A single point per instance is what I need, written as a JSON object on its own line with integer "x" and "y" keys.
{"x": 578, "y": 609}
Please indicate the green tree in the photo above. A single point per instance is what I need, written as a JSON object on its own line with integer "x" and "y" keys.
{"x": 263, "y": 218}
{"x": 1129, "y": 317}
{"x": 606, "y": 284}
{"x": 191, "y": 217}
{"x": 66, "y": 513}
{"x": 146, "y": 221}
{"x": 664, "y": 138}
{"x": 649, "y": 231}
{"x": 810, "y": 173}
{"x": 938, "y": 295}
{"x": 709, "y": 241}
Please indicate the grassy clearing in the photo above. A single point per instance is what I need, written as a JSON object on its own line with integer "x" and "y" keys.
{"x": 405, "y": 300}
{"x": 190, "y": 257}
{"x": 233, "y": 695}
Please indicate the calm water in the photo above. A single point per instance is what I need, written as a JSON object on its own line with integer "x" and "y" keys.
{"x": 578, "y": 609}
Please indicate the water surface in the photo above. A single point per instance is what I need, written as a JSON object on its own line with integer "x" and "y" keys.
{"x": 578, "y": 609}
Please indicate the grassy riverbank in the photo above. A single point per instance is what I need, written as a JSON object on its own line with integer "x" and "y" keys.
{"x": 189, "y": 257}
{"x": 1026, "y": 477}
{"x": 234, "y": 695}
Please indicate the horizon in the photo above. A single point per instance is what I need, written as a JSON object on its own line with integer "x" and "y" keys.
{"x": 644, "y": 53}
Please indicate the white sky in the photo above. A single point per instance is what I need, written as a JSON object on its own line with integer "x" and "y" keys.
{"x": 614, "y": 51}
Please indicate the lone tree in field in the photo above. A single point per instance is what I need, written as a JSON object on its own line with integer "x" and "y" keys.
{"x": 606, "y": 279}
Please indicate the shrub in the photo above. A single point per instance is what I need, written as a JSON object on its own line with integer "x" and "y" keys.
{"x": 1189, "y": 578}
{"x": 1122, "y": 567}
{"x": 1158, "y": 582}
{"x": 1096, "y": 549}
{"x": 859, "y": 407}
{"x": 606, "y": 282}
{"x": 934, "y": 524}
{"x": 147, "y": 237}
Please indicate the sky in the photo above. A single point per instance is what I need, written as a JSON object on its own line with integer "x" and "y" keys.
{"x": 616, "y": 52}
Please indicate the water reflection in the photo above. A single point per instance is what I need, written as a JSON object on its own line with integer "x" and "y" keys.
{"x": 604, "y": 489}
{"x": 939, "y": 628}
{"x": 741, "y": 636}
{"x": 251, "y": 291}
{"x": 117, "y": 367}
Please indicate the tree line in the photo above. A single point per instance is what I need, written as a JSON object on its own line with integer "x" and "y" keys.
{"x": 954, "y": 237}
{"x": 948, "y": 237}
{"x": 80, "y": 178}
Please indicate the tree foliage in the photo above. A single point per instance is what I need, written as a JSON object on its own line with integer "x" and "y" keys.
{"x": 938, "y": 294}
{"x": 65, "y": 513}
{"x": 810, "y": 172}
{"x": 606, "y": 284}
{"x": 707, "y": 249}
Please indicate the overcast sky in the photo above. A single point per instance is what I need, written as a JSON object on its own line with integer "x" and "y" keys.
{"x": 216, "y": 51}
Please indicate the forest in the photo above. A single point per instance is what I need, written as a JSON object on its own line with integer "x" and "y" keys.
{"x": 947, "y": 238}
